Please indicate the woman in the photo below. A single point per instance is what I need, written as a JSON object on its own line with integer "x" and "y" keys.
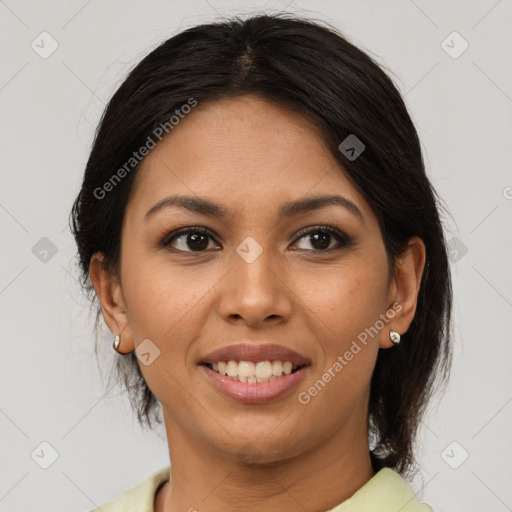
{"x": 256, "y": 223}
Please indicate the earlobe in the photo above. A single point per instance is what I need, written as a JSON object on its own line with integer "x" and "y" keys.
{"x": 110, "y": 297}
{"x": 407, "y": 282}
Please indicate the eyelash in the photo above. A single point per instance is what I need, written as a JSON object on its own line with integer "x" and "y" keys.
{"x": 343, "y": 240}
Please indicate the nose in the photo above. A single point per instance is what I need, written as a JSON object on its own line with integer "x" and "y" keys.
{"x": 255, "y": 293}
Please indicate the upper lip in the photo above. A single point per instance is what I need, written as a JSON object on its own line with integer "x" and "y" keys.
{"x": 255, "y": 352}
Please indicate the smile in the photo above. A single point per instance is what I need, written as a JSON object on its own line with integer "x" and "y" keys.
{"x": 250, "y": 391}
{"x": 252, "y": 372}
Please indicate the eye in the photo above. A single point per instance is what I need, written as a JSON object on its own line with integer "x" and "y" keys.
{"x": 195, "y": 239}
{"x": 320, "y": 237}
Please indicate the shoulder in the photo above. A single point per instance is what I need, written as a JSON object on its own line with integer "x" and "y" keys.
{"x": 139, "y": 498}
{"x": 387, "y": 491}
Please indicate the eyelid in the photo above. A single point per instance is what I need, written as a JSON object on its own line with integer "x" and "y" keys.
{"x": 322, "y": 227}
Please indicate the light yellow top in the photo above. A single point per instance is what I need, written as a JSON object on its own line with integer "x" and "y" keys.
{"x": 386, "y": 491}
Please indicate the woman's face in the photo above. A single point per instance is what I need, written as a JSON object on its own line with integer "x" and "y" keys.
{"x": 253, "y": 279}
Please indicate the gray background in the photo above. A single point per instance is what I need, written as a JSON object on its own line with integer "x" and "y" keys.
{"x": 51, "y": 388}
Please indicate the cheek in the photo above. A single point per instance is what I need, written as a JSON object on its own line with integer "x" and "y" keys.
{"x": 348, "y": 298}
{"x": 159, "y": 295}
{"x": 344, "y": 306}
{"x": 343, "y": 309}
{"x": 163, "y": 303}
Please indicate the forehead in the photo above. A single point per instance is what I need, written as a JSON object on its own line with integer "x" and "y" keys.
{"x": 246, "y": 152}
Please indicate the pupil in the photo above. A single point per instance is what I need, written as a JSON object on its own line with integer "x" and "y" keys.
{"x": 323, "y": 238}
{"x": 197, "y": 238}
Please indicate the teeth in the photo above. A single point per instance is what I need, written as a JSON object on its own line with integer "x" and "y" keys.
{"x": 287, "y": 367}
{"x": 232, "y": 369}
{"x": 277, "y": 368}
{"x": 250, "y": 372}
{"x": 263, "y": 370}
{"x": 245, "y": 369}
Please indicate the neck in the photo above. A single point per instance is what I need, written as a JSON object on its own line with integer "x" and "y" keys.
{"x": 319, "y": 479}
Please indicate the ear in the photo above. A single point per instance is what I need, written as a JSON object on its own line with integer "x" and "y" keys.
{"x": 110, "y": 295}
{"x": 404, "y": 290}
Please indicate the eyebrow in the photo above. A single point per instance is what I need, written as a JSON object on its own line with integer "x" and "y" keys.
{"x": 214, "y": 209}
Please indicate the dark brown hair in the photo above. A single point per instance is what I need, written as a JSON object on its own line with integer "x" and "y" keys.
{"x": 312, "y": 69}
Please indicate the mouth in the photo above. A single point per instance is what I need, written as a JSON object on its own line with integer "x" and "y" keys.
{"x": 253, "y": 372}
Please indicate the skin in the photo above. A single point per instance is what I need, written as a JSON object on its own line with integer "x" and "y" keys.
{"x": 252, "y": 156}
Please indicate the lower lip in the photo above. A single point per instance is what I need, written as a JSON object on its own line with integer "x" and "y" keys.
{"x": 257, "y": 393}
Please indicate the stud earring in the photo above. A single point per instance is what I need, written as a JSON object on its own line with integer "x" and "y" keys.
{"x": 395, "y": 337}
{"x": 117, "y": 342}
